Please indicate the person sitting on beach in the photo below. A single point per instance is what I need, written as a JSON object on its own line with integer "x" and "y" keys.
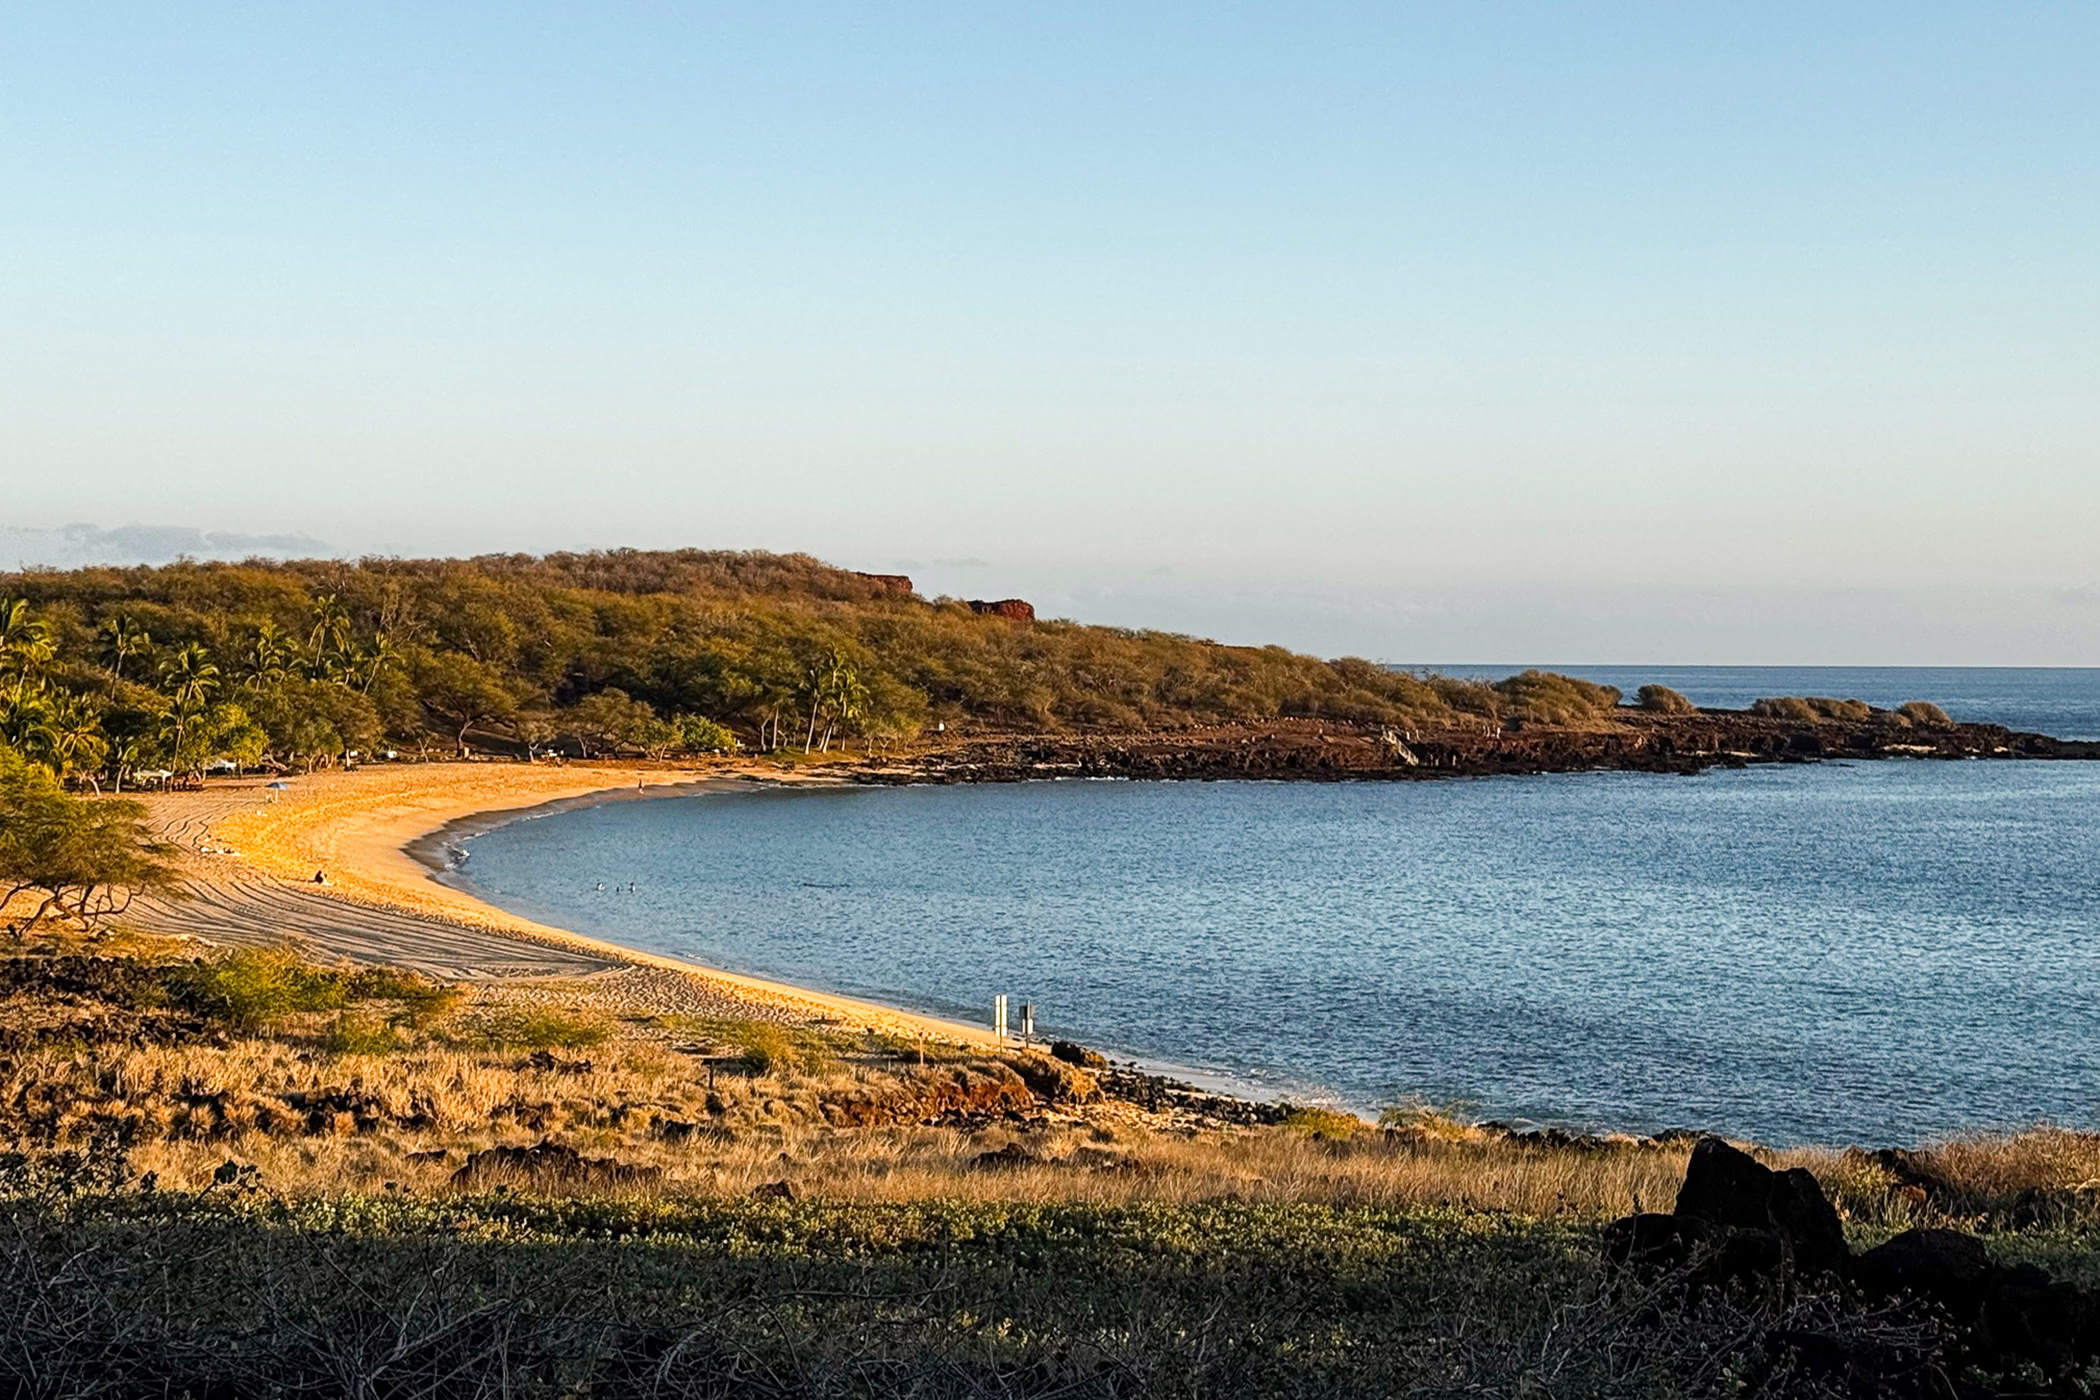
{"x": 320, "y": 878}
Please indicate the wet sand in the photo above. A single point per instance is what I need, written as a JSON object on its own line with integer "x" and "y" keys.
{"x": 248, "y": 854}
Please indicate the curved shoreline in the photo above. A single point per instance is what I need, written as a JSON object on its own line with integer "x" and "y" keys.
{"x": 370, "y": 833}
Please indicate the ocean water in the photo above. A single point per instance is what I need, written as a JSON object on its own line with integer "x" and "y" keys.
{"x": 1880, "y": 952}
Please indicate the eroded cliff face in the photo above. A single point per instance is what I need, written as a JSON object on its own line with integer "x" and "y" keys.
{"x": 1013, "y": 609}
{"x": 1327, "y": 749}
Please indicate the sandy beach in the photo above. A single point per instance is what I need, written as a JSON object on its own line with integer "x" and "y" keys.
{"x": 249, "y": 853}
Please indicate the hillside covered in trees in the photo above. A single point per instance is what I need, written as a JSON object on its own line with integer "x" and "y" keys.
{"x": 107, "y": 673}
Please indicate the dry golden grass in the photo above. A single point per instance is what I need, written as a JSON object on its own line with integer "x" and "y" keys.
{"x": 366, "y": 1098}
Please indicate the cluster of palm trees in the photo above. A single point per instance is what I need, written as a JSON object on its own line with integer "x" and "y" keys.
{"x": 836, "y": 695}
{"x": 164, "y": 709}
{"x": 57, "y": 727}
{"x": 331, "y": 651}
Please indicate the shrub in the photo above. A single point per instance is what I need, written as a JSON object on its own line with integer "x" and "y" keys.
{"x": 542, "y": 1028}
{"x": 1812, "y": 709}
{"x": 1925, "y": 714}
{"x": 762, "y": 1047}
{"x": 698, "y": 734}
{"x": 1445, "y": 1124}
{"x": 1323, "y": 1124}
{"x": 1662, "y": 700}
{"x": 1541, "y": 697}
{"x": 1786, "y": 707}
{"x": 250, "y": 988}
{"x": 1841, "y": 709}
{"x": 352, "y": 1035}
{"x": 765, "y": 1049}
{"x": 423, "y": 1000}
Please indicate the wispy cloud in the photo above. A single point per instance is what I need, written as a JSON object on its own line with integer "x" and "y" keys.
{"x": 72, "y": 546}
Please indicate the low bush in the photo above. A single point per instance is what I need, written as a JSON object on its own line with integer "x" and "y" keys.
{"x": 1925, "y": 715}
{"x": 1323, "y": 1124}
{"x": 252, "y": 988}
{"x": 1661, "y": 700}
{"x": 1810, "y": 709}
{"x": 1421, "y": 1120}
{"x": 249, "y": 988}
{"x": 359, "y": 1035}
{"x": 539, "y": 1028}
{"x": 1542, "y": 697}
{"x": 1855, "y": 710}
{"x": 763, "y": 1047}
{"x": 422, "y": 1000}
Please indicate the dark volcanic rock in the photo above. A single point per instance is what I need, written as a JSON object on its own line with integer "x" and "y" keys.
{"x": 1731, "y": 1189}
{"x": 547, "y": 1163}
{"x": 1011, "y": 1155}
{"x": 1738, "y": 1223}
{"x": 1075, "y": 1054}
{"x": 2005, "y": 1314}
{"x": 1332, "y": 750}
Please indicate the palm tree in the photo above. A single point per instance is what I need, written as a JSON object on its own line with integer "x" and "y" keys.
{"x": 26, "y": 646}
{"x": 329, "y": 638}
{"x": 369, "y": 662}
{"x": 848, "y": 700}
{"x": 74, "y": 738}
{"x": 25, "y": 721}
{"x": 125, "y": 756}
{"x": 269, "y": 656}
{"x": 187, "y": 677}
{"x": 122, "y": 640}
{"x": 832, "y": 685}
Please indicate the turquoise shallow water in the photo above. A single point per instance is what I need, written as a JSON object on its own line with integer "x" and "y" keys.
{"x": 1880, "y": 952}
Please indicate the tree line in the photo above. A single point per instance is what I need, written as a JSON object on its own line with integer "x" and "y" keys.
{"x": 110, "y": 673}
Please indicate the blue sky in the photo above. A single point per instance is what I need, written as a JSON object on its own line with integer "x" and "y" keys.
{"x": 1487, "y": 332}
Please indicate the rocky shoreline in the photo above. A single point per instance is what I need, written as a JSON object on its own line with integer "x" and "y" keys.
{"x": 1330, "y": 750}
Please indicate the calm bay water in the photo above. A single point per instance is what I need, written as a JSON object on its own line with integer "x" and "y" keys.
{"x": 1879, "y": 952}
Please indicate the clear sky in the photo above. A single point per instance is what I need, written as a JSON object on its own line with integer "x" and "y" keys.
{"x": 1557, "y": 331}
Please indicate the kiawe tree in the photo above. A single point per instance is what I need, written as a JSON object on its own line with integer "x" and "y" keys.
{"x": 611, "y": 719}
{"x": 83, "y": 860}
{"x": 463, "y": 693}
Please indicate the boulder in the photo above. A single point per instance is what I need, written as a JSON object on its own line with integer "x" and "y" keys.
{"x": 1728, "y": 1188}
{"x": 1011, "y": 1155}
{"x": 1943, "y": 1265}
{"x": 1075, "y": 1054}
{"x": 2005, "y": 1314}
{"x": 1012, "y": 608}
{"x": 1739, "y": 1223}
{"x": 1711, "y": 1256}
{"x": 545, "y": 1164}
